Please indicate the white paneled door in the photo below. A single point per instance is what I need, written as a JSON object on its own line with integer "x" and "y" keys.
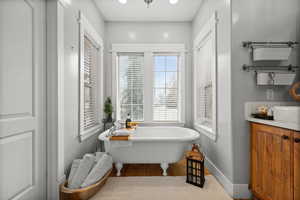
{"x": 22, "y": 100}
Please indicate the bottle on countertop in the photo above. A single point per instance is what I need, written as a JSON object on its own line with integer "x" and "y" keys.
{"x": 270, "y": 112}
{"x": 128, "y": 120}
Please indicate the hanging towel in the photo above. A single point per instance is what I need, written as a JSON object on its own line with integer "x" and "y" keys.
{"x": 98, "y": 171}
{"x": 75, "y": 165}
{"x": 284, "y": 78}
{"x": 267, "y": 53}
{"x": 82, "y": 172}
{"x": 275, "y": 78}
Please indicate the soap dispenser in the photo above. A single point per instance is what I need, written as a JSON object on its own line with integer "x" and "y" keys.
{"x": 128, "y": 120}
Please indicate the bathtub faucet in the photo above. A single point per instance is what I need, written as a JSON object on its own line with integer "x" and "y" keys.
{"x": 111, "y": 131}
{"x": 117, "y": 125}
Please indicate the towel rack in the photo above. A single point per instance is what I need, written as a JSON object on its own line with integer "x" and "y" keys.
{"x": 290, "y": 68}
{"x": 252, "y": 44}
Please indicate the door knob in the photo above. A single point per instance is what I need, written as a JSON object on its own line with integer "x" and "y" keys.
{"x": 297, "y": 140}
{"x": 285, "y": 137}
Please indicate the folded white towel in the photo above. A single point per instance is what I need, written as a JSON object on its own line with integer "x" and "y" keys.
{"x": 123, "y": 132}
{"x": 74, "y": 167}
{"x": 98, "y": 171}
{"x": 99, "y": 156}
{"x": 85, "y": 166}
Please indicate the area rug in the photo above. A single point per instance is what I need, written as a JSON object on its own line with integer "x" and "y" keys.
{"x": 159, "y": 188}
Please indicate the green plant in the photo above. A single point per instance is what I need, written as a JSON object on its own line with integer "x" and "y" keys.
{"x": 108, "y": 109}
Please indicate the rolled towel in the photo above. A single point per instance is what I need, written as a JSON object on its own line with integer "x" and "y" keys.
{"x": 74, "y": 167}
{"x": 99, "y": 155}
{"x": 98, "y": 171}
{"x": 123, "y": 132}
{"x": 82, "y": 172}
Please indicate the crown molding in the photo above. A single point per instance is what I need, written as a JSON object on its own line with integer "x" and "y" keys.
{"x": 64, "y": 3}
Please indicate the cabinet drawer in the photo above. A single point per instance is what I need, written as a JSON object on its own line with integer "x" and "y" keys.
{"x": 272, "y": 129}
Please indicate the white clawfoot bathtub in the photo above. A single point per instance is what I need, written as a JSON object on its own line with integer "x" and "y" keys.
{"x": 163, "y": 145}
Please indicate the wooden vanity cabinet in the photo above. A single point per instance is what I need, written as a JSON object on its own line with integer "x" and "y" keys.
{"x": 296, "y": 165}
{"x": 272, "y": 163}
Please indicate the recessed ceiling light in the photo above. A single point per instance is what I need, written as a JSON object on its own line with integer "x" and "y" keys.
{"x": 166, "y": 35}
{"x": 173, "y": 1}
{"x": 122, "y": 1}
{"x": 132, "y": 35}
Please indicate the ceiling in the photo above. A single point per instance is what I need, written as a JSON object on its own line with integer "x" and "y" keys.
{"x": 159, "y": 10}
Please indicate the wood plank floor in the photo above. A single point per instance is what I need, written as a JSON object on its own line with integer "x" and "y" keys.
{"x": 176, "y": 169}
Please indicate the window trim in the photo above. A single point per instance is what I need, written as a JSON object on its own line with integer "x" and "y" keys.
{"x": 149, "y": 50}
{"x": 210, "y": 28}
{"x": 87, "y": 30}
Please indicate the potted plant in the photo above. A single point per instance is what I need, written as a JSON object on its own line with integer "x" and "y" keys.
{"x": 108, "y": 110}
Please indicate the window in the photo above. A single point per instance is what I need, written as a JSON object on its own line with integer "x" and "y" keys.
{"x": 90, "y": 83}
{"x": 204, "y": 85}
{"x": 150, "y": 82}
{"x": 165, "y": 88}
{"x": 205, "y": 81}
{"x": 90, "y": 80}
{"x": 131, "y": 86}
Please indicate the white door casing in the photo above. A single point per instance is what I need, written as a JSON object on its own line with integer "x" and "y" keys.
{"x": 22, "y": 100}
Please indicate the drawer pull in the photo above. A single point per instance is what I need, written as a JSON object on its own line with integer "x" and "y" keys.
{"x": 297, "y": 140}
{"x": 285, "y": 137}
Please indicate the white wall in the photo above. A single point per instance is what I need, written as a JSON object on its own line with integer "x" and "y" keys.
{"x": 73, "y": 148}
{"x": 243, "y": 20}
{"x": 150, "y": 32}
{"x": 239, "y": 20}
{"x": 219, "y": 152}
{"x": 256, "y": 20}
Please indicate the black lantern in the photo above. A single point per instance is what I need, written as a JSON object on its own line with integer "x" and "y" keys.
{"x": 195, "y": 167}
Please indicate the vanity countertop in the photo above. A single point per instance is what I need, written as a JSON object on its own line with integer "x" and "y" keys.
{"x": 250, "y": 107}
{"x": 291, "y": 126}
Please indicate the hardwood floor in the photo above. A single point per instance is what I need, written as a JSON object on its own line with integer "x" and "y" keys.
{"x": 176, "y": 169}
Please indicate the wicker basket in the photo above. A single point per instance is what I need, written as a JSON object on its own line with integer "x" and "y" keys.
{"x": 82, "y": 193}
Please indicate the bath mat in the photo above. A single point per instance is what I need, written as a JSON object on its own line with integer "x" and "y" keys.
{"x": 159, "y": 188}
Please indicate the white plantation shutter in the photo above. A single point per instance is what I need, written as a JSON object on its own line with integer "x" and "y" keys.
{"x": 90, "y": 61}
{"x": 131, "y": 86}
{"x": 208, "y": 101}
{"x": 205, "y": 104}
{"x": 204, "y": 92}
{"x": 165, "y": 88}
{"x": 90, "y": 79}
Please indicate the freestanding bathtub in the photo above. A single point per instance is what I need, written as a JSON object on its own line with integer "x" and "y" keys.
{"x": 163, "y": 145}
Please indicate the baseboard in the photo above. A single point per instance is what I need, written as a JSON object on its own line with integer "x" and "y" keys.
{"x": 241, "y": 191}
{"x": 223, "y": 180}
{"x": 236, "y": 191}
{"x": 53, "y": 189}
